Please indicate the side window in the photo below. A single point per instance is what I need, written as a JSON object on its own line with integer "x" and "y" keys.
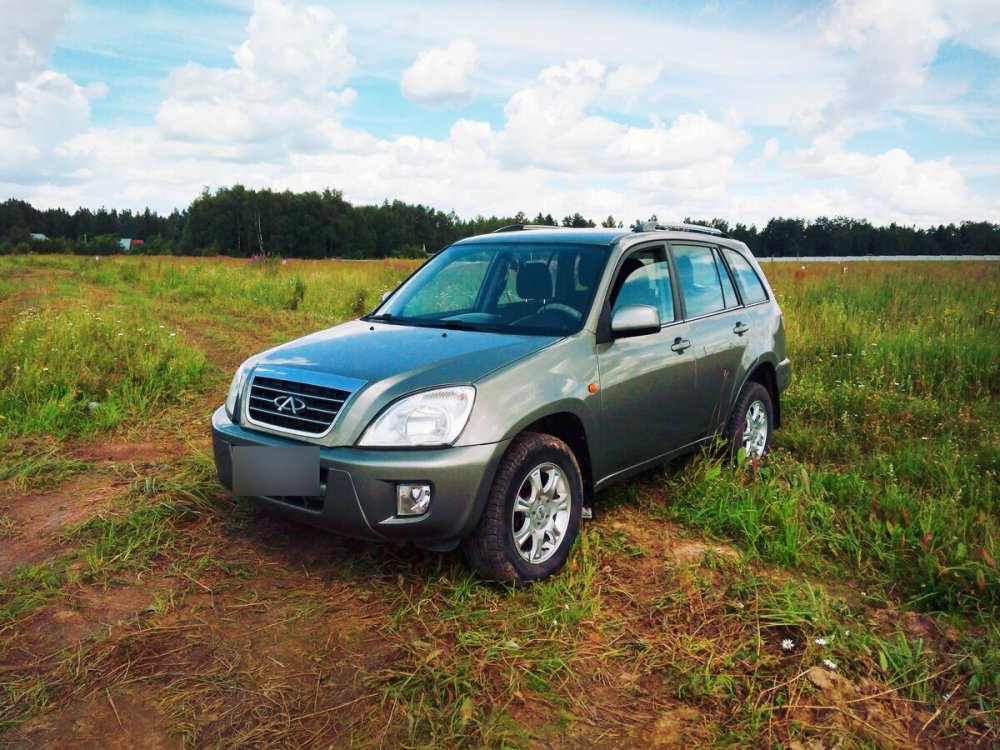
{"x": 699, "y": 279}
{"x": 644, "y": 279}
{"x": 728, "y": 292}
{"x": 746, "y": 278}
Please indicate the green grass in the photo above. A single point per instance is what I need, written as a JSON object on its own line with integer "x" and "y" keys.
{"x": 83, "y": 367}
{"x": 37, "y": 467}
{"x": 878, "y": 505}
{"x": 158, "y": 507}
{"x": 467, "y": 652}
{"x": 26, "y": 587}
{"x": 333, "y": 290}
{"x": 887, "y": 467}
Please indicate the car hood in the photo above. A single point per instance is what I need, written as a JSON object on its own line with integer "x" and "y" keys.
{"x": 410, "y": 356}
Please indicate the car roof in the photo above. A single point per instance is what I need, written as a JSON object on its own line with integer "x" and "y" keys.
{"x": 601, "y": 236}
{"x": 553, "y": 235}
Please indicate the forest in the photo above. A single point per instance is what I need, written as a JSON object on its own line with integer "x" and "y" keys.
{"x": 240, "y": 222}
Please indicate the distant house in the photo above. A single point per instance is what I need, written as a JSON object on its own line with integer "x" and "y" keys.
{"x": 39, "y": 237}
{"x": 128, "y": 243}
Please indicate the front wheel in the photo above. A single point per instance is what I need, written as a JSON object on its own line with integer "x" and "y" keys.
{"x": 532, "y": 514}
{"x": 752, "y": 422}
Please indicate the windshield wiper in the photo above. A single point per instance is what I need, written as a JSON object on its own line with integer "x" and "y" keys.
{"x": 391, "y": 319}
{"x": 458, "y": 325}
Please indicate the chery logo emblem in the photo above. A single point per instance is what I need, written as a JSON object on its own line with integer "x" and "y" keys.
{"x": 290, "y": 404}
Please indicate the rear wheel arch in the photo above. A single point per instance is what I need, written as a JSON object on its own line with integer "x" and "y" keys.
{"x": 765, "y": 374}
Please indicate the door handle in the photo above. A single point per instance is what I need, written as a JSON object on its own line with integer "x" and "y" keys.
{"x": 680, "y": 344}
{"x": 741, "y": 328}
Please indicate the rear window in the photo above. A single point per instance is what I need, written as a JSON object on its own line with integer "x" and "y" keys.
{"x": 751, "y": 288}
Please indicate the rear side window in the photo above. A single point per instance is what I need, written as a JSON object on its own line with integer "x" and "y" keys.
{"x": 751, "y": 288}
{"x": 699, "y": 279}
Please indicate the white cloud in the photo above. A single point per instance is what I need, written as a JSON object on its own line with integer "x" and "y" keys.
{"x": 27, "y": 36}
{"x": 549, "y": 124}
{"x": 976, "y": 23}
{"x": 550, "y": 154}
{"x": 303, "y": 49}
{"x": 279, "y": 98}
{"x": 931, "y": 188}
{"x": 691, "y": 140}
{"x": 546, "y": 123}
{"x": 893, "y": 46}
{"x": 629, "y": 82}
{"x": 442, "y": 76}
{"x": 925, "y": 191}
{"x": 39, "y": 108}
{"x": 695, "y": 127}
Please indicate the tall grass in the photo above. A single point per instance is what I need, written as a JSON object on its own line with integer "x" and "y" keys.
{"x": 887, "y": 467}
{"x": 333, "y": 289}
{"x": 82, "y": 370}
{"x": 882, "y": 486}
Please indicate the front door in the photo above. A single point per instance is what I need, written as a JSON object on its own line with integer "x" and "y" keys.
{"x": 647, "y": 380}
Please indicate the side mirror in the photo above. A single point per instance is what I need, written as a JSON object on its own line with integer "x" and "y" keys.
{"x": 634, "y": 320}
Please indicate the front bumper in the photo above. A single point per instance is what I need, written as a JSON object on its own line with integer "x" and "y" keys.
{"x": 359, "y": 486}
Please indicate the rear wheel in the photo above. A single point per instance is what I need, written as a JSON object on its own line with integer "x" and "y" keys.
{"x": 532, "y": 514}
{"x": 752, "y": 422}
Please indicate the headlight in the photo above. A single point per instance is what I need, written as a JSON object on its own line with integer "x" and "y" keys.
{"x": 234, "y": 390}
{"x": 428, "y": 418}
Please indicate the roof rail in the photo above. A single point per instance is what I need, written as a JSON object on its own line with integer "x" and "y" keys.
{"x": 649, "y": 226}
{"x": 523, "y": 227}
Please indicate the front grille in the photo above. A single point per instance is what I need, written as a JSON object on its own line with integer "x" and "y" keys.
{"x": 289, "y": 405}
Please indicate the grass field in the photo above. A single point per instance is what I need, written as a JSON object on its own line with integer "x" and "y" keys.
{"x": 845, "y": 591}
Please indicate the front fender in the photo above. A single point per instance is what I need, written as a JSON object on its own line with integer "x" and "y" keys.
{"x": 554, "y": 380}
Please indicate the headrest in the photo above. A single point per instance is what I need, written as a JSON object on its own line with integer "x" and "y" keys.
{"x": 534, "y": 281}
{"x": 588, "y": 268}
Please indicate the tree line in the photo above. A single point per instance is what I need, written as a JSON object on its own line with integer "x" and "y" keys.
{"x": 241, "y": 222}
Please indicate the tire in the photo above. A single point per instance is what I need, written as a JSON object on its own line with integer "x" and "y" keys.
{"x": 532, "y": 514}
{"x": 751, "y": 424}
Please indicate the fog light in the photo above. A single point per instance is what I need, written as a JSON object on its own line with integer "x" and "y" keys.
{"x": 412, "y": 499}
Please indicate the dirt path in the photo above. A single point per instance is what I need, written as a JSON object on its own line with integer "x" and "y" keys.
{"x": 268, "y": 634}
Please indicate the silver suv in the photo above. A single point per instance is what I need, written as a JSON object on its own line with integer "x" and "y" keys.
{"x": 489, "y": 398}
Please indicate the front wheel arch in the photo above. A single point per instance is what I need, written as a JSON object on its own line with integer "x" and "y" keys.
{"x": 534, "y": 505}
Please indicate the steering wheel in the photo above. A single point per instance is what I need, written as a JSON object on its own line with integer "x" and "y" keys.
{"x": 559, "y": 307}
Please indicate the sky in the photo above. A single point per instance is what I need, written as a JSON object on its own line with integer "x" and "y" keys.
{"x": 874, "y": 109}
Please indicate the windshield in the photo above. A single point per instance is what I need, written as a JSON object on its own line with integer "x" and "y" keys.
{"x": 523, "y": 288}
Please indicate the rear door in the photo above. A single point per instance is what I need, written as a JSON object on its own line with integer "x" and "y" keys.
{"x": 719, "y": 329}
